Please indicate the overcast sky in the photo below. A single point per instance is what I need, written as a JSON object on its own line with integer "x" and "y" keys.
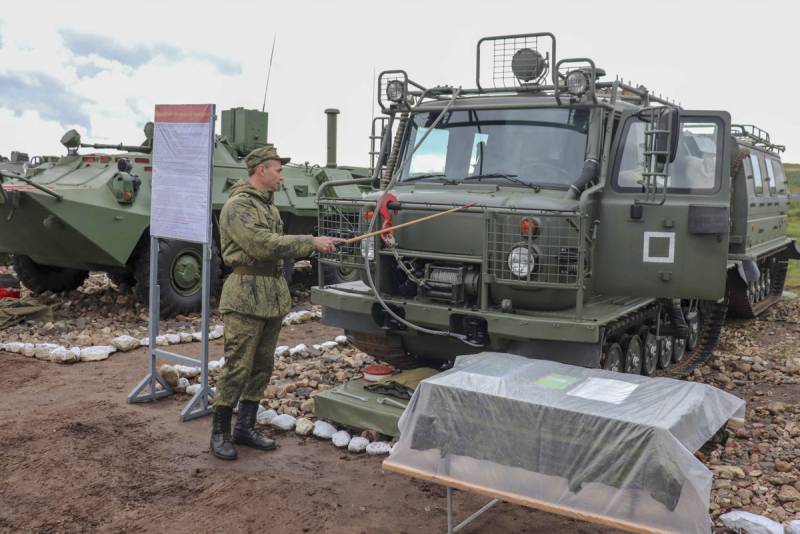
{"x": 100, "y": 67}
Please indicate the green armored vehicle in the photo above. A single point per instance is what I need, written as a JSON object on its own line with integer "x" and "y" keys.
{"x": 91, "y": 211}
{"x": 602, "y": 226}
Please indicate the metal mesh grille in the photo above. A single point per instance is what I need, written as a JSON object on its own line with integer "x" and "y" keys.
{"x": 502, "y": 53}
{"x": 554, "y": 242}
{"x": 345, "y": 220}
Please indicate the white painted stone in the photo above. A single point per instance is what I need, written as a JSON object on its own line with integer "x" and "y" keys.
{"x": 264, "y": 416}
{"x": 328, "y": 345}
{"x": 324, "y": 430}
{"x": 284, "y": 422}
{"x": 341, "y": 438}
{"x": 28, "y": 349}
{"x": 63, "y": 355}
{"x": 162, "y": 341}
{"x": 15, "y": 347}
{"x": 217, "y": 332}
{"x": 215, "y": 365}
{"x": 281, "y": 351}
{"x": 303, "y": 426}
{"x": 750, "y": 523}
{"x": 172, "y": 339}
{"x": 358, "y": 444}
{"x": 299, "y": 350}
{"x": 144, "y": 342}
{"x": 379, "y": 447}
{"x": 183, "y": 384}
{"x": 96, "y": 353}
{"x": 341, "y": 340}
{"x": 193, "y": 389}
{"x": 187, "y": 371}
{"x": 197, "y": 336}
{"x": 42, "y": 350}
{"x": 125, "y": 343}
{"x": 186, "y": 337}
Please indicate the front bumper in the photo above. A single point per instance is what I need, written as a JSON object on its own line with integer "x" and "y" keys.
{"x": 350, "y": 306}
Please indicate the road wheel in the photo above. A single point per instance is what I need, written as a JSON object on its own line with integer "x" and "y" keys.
{"x": 679, "y": 351}
{"x": 632, "y": 348}
{"x": 665, "y": 346}
{"x": 613, "y": 358}
{"x": 179, "y": 275}
{"x": 649, "y": 351}
{"x": 40, "y": 278}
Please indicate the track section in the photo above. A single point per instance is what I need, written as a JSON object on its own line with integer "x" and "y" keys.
{"x": 750, "y": 300}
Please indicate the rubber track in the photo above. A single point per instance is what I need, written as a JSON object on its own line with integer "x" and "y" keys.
{"x": 740, "y": 305}
{"x": 713, "y": 321}
{"x": 382, "y": 348}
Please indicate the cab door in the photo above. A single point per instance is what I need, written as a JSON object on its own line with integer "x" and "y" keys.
{"x": 679, "y": 248}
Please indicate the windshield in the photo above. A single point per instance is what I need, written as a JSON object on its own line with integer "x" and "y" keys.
{"x": 536, "y": 147}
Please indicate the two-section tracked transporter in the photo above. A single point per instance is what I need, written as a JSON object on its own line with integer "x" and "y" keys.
{"x": 608, "y": 227}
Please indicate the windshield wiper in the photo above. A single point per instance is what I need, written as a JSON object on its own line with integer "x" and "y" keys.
{"x": 438, "y": 175}
{"x": 509, "y": 177}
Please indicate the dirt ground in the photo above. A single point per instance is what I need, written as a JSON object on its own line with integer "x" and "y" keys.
{"x": 75, "y": 457}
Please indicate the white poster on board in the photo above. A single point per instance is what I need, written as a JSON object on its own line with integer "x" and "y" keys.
{"x": 183, "y": 143}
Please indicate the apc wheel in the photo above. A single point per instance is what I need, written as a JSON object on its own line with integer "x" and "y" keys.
{"x": 613, "y": 358}
{"x": 649, "y": 351}
{"x": 693, "y": 321}
{"x": 40, "y": 278}
{"x": 179, "y": 275}
{"x": 665, "y": 346}
{"x": 340, "y": 275}
{"x": 632, "y": 348}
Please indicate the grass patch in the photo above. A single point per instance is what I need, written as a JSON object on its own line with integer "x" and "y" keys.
{"x": 793, "y": 177}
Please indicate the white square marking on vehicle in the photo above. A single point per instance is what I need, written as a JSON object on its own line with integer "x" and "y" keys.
{"x": 651, "y": 245}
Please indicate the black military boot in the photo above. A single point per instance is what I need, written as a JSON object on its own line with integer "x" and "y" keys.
{"x": 245, "y": 432}
{"x": 221, "y": 444}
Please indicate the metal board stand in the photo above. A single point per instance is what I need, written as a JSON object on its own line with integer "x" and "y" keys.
{"x": 153, "y": 386}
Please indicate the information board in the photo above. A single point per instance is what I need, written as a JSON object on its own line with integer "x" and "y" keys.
{"x": 183, "y": 144}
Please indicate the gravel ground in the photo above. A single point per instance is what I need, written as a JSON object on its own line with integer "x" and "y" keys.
{"x": 755, "y": 470}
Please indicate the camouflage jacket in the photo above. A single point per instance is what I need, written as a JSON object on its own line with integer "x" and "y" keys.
{"x": 251, "y": 234}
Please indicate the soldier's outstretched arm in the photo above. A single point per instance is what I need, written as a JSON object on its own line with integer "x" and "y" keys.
{"x": 259, "y": 241}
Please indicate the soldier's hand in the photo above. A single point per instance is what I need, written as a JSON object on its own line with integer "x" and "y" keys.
{"x": 326, "y": 245}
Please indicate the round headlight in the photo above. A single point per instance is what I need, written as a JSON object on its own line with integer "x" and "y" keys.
{"x": 394, "y": 91}
{"x": 577, "y": 82}
{"x": 368, "y": 248}
{"x": 521, "y": 261}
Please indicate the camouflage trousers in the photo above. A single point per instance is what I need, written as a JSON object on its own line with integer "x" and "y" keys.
{"x": 249, "y": 357}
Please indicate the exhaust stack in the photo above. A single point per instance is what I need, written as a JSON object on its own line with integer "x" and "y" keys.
{"x": 331, "y": 113}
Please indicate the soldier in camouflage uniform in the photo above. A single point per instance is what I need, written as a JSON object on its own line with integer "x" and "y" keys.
{"x": 254, "y": 299}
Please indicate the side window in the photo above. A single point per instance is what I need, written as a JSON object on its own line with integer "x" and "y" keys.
{"x": 758, "y": 183}
{"x": 695, "y": 166}
{"x": 770, "y": 175}
{"x": 780, "y": 177}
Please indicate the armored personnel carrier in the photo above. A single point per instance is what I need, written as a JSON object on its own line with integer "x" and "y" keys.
{"x": 602, "y": 225}
{"x": 91, "y": 211}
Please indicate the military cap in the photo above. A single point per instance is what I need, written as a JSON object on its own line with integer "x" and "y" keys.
{"x": 262, "y": 154}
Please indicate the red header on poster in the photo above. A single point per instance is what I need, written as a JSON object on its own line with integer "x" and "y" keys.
{"x": 183, "y": 113}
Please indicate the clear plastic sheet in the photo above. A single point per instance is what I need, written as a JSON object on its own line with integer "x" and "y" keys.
{"x": 603, "y": 444}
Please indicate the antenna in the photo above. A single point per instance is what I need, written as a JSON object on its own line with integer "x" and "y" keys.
{"x": 269, "y": 70}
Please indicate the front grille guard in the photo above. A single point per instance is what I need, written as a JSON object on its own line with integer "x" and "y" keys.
{"x": 559, "y": 242}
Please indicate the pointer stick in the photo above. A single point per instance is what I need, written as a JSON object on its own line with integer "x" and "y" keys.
{"x": 403, "y": 225}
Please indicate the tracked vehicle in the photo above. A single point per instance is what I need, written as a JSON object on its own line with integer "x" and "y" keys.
{"x": 606, "y": 226}
{"x": 91, "y": 211}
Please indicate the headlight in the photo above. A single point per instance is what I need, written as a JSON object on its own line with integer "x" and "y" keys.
{"x": 577, "y": 82}
{"x": 394, "y": 91}
{"x": 521, "y": 262}
{"x": 368, "y": 248}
